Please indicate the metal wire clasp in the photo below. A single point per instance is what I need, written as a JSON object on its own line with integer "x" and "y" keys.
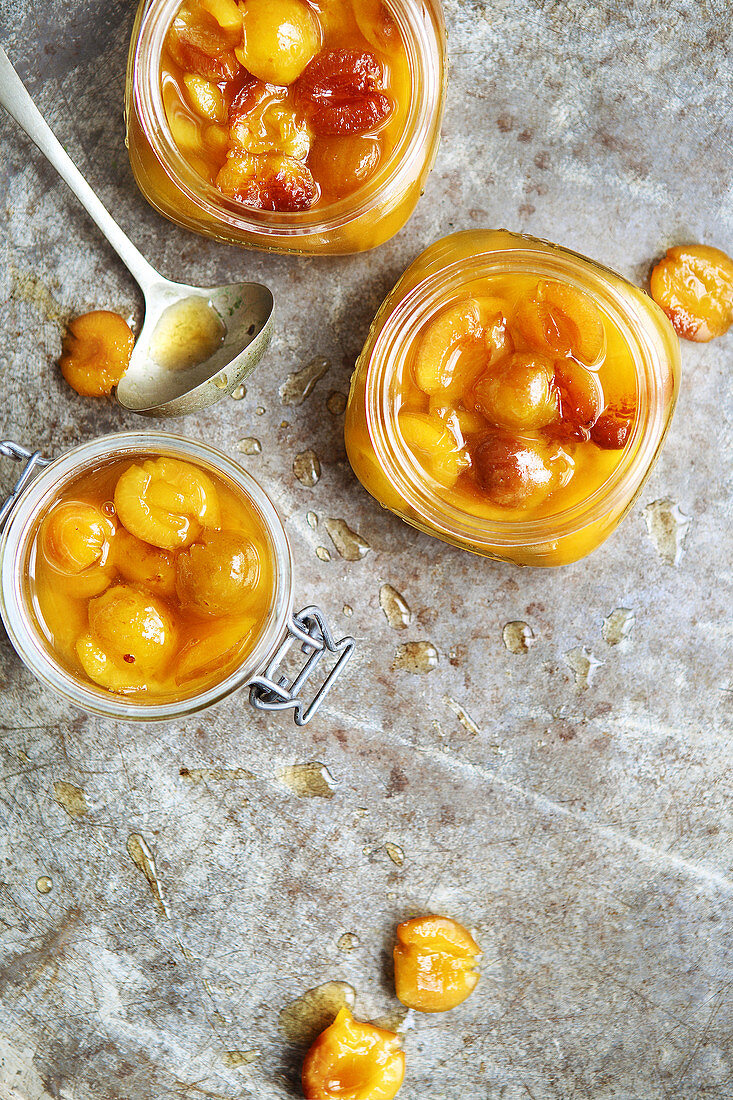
{"x": 34, "y": 460}
{"x": 272, "y": 692}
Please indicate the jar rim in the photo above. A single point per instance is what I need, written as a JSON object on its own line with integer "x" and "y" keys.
{"x": 14, "y": 545}
{"x": 392, "y": 179}
{"x": 521, "y": 253}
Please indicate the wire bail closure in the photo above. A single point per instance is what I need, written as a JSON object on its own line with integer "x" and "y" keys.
{"x": 34, "y": 460}
{"x": 310, "y": 630}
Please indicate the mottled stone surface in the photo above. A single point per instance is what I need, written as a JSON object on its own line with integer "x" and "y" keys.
{"x": 586, "y": 834}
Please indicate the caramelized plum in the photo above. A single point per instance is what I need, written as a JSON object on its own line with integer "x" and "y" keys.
{"x": 280, "y": 38}
{"x": 693, "y": 284}
{"x": 201, "y": 46}
{"x": 219, "y": 575}
{"x": 352, "y": 1060}
{"x": 345, "y": 91}
{"x": 513, "y": 471}
{"x": 518, "y": 393}
{"x": 434, "y": 963}
{"x": 270, "y": 182}
{"x": 581, "y": 395}
{"x": 340, "y": 163}
{"x": 96, "y": 352}
{"x": 613, "y": 428}
{"x": 269, "y": 125}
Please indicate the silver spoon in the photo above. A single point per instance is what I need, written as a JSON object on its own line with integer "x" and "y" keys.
{"x": 196, "y": 343}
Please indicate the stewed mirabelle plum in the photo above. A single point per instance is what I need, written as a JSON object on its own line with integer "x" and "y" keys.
{"x": 435, "y": 963}
{"x": 219, "y": 575}
{"x": 694, "y": 286}
{"x": 166, "y": 502}
{"x": 285, "y": 105}
{"x": 152, "y": 577}
{"x": 76, "y": 540}
{"x": 353, "y": 1060}
{"x": 96, "y": 352}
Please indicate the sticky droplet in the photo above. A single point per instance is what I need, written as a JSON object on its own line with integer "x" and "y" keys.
{"x": 260, "y": 410}
{"x": 198, "y": 775}
{"x": 323, "y": 553}
{"x": 307, "y": 468}
{"x": 70, "y": 797}
{"x": 398, "y": 1020}
{"x": 238, "y": 393}
{"x": 583, "y": 664}
{"x": 518, "y": 636}
{"x": 350, "y": 545}
{"x": 395, "y": 607}
{"x": 299, "y": 385}
{"x": 348, "y": 610}
{"x": 309, "y": 1015}
{"x": 336, "y": 403}
{"x": 667, "y": 527}
{"x": 461, "y": 714}
{"x": 249, "y": 446}
{"x": 617, "y": 626}
{"x": 415, "y": 657}
{"x": 221, "y": 381}
{"x": 143, "y": 858}
{"x": 234, "y": 1058}
{"x": 312, "y": 780}
{"x": 29, "y": 288}
{"x": 395, "y": 853}
{"x": 348, "y": 941}
{"x": 312, "y": 520}
{"x": 44, "y": 885}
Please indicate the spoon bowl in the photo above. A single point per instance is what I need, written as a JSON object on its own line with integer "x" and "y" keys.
{"x": 197, "y": 343}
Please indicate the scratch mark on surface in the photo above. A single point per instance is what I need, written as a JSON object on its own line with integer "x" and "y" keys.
{"x": 143, "y": 858}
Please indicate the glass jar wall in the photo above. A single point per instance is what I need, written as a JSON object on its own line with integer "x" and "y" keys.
{"x": 207, "y": 169}
{"x": 512, "y": 397}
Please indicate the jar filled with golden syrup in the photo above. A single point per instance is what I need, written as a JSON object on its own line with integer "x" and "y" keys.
{"x": 146, "y": 576}
{"x": 512, "y": 397}
{"x": 304, "y": 126}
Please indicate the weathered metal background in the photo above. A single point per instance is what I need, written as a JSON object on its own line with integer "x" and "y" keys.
{"x": 583, "y": 831}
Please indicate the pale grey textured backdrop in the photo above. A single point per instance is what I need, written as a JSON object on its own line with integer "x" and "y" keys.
{"x": 585, "y": 834}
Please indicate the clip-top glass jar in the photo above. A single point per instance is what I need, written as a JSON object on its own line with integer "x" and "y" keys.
{"x": 537, "y": 484}
{"x": 45, "y": 489}
{"x": 373, "y": 213}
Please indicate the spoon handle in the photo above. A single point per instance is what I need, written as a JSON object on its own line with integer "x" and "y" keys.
{"x": 17, "y": 102}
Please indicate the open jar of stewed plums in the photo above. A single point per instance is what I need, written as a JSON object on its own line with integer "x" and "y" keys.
{"x": 292, "y": 125}
{"x": 512, "y": 397}
{"x": 145, "y": 576}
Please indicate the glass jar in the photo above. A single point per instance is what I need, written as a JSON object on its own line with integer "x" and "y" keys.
{"x": 389, "y": 470}
{"x": 38, "y": 488}
{"x": 363, "y": 220}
